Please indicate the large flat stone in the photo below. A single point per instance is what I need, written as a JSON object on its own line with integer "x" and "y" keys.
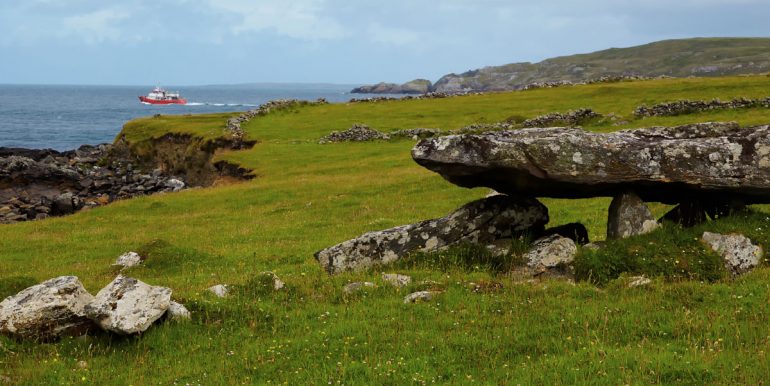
{"x": 708, "y": 161}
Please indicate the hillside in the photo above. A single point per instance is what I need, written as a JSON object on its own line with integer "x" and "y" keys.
{"x": 485, "y": 328}
{"x": 703, "y": 57}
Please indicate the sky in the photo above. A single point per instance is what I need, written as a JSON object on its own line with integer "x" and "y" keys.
{"x": 199, "y": 42}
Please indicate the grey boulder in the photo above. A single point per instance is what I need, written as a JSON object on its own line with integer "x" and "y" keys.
{"x": 47, "y": 311}
{"x": 419, "y": 296}
{"x": 128, "y": 306}
{"x": 178, "y": 312}
{"x": 354, "y": 287}
{"x": 219, "y": 290}
{"x": 739, "y": 253}
{"x": 129, "y": 259}
{"x": 551, "y": 254}
{"x": 482, "y": 221}
{"x": 397, "y": 280}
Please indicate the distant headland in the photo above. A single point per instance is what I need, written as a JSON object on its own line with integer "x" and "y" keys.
{"x": 671, "y": 58}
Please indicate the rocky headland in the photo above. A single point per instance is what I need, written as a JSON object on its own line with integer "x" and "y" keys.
{"x": 668, "y": 58}
{"x": 417, "y": 86}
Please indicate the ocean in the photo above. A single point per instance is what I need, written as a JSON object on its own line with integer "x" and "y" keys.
{"x": 65, "y": 117}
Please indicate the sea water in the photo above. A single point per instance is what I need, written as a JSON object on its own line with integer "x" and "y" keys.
{"x": 65, "y": 117}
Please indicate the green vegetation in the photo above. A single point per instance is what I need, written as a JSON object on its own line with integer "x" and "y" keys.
{"x": 308, "y": 196}
{"x": 678, "y": 58}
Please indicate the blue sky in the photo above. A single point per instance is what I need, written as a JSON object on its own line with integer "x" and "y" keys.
{"x": 194, "y": 42}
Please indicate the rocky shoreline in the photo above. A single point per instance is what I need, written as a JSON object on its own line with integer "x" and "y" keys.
{"x": 36, "y": 184}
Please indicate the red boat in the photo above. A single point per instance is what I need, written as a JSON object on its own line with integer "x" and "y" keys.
{"x": 159, "y": 96}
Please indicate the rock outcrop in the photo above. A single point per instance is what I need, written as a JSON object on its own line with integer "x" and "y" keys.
{"x": 417, "y": 86}
{"x": 739, "y": 253}
{"x": 47, "y": 311}
{"x": 481, "y": 221}
{"x": 128, "y": 306}
{"x": 35, "y": 184}
{"x": 708, "y": 162}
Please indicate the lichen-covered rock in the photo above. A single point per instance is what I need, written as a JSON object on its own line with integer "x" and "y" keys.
{"x": 128, "y": 306}
{"x": 47, "y": 311}
{"x": 739, "y": 253}
{"x": 396, "y": 280}
{"x": 481, "y": 221}
{"x": 419, "y": 296}
{"x": 128, "y": 260}
{"x": 551, "y": 253}
{"x": 629, "y": 216}
{"x": 357, "y": 286}
{"x": 708, "y": 161}
{"x": 178, "y": 312}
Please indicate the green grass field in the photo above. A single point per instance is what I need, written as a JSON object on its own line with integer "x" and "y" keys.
{"x": 692, "y": 325}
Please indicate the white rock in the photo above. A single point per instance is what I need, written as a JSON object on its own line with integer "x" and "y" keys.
{"x": 47, "y": 310}
{"x": 396, "y": 280}
{"x": 175, "y": 184}
{"x": 177, "y": 311}
{"x": 220, "y": 290}
{"x": 129, "y": 259}
{"x": 419, "y": 296}
{"x": 357, "y": 286}
{"x": 739, "y": 253}
{"x": 128, "y": 306}
{"x": 638, "y": 281}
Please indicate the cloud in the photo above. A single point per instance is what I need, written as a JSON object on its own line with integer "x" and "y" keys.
{"x": 391, "y": 35}
{"x": 298, "y": 19}
{"x": 95, "y": 27}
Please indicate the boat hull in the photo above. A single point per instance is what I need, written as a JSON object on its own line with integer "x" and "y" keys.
{"x": 180, "y": 101}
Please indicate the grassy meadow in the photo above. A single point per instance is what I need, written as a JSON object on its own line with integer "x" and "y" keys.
{"x": 692, "y": 325}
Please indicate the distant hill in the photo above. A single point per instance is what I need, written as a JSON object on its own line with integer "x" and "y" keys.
{"x": 675, "y": 58}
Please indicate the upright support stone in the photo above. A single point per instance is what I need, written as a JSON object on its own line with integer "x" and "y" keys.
{"x": 687, "y": 214}
{"x": 629, "y": 216}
